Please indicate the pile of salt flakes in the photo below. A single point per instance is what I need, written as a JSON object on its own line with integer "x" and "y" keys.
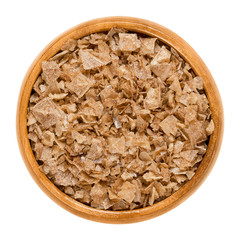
{"x": 118, "y": 120}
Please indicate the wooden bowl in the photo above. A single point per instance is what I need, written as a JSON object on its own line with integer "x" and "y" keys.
{"x": 169, "y": 38}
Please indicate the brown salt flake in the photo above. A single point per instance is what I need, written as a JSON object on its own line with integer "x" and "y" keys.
{"x": 173, "y": 77}
{"x": 58, "y": 56}
{"x": 90, "y": 61}
{"x": 108, "y": 92}
{"x": 98, "y": 193}
{"x": 147, "y": 46}
{"x": 74, "y": 170}
{"x": 171, "y": 99}
{"x": 88, "y": 119}
{"x": 133, "y": 206}
{"x": 210, "y": 128}
{"x": 69, "y": 190}
{"x": 162, "y": 56}
{"x": 116, "y": 145}
{"x": 190, "y": 174}
{"x": 36, "y": 85}
{"x": 47, "y": 112}
{"x": 71, "y": 117}
{"x": 48, "y": 138}
{"x": 105, "y": 204}
{"x": 34, "y": 98}
{"x": 83, "y": 43}
{"x": 116, "y": 185}
{"x": 142, "y": 141}
{"x": 31, "y": 119}
{"x": 160, "y": 189}
{"x": 86, "y": 164}
{"x": 186, "y": 89}
{"x": 120, "y": 205}
{"x": 154, "y": 195}
{"x": 92, "y": 108}
{"x": 141, "y": 124}
{"x": 138, "y": 186}
{"x": 128, "y": 88}
{"x": 113, "y": 43}
{"x": 189, "y": 155}
{"x": 153, "y": 167}
{"x": 63, "y": 166}
{"x": 83, "y": 195}
{"x": 79, "y": 85}
{"x": 60, "y": 144}
{"x": 80, "y": 138}
{"x": 129, "y": 42}
{"x": 59, "y": 129}
{"x": 104, "y": 52}
{"x": 201, "y": 117}
{"x": 196, "y": 132}
{"x": 153, "y": 99}
{"x": 112, "y": 195}
{"x": 132, "y": 123}
{"x": 127, "y": 176}
{"x": 144, "y": 156}
{"x": 146, "y": 189}
{"x": 175, "y": 86}
{"x": 123, "y": 71}
{"x": 33, "y": 137}
{"x": 178, "y": 146}
{"x": 127, "y": 192}
{"x": 166, "y": 174}
{"x": 116, "y": 170}
{"x": 69, "y": 108}
{"x": 170, "y": 147}
{"x": 114, "y": 30}
{"x": 150, "y": 176}
{"x": 36, "y": 129}
{"x": 142, "y": 71}
{"x": 182, "y": 164}
{"x": 184, "y": 99}
{"x": 180, "y": 178}
{"x": 136, "y": 166}
{"x": 51, "y": 71}
{"x": 92, "y": 93}
{"x": 96, "y": 150}
{"x": 190, "y": 113}
{"x": 177, "y": 171}
{"x": 202, "y": 148}
{"x": 155, "y": 125}
{"x": 38, "y": 148}
{"x": 161, "y": 70}
{"x": 43, "y": 87}
{"x": 117, "y": 123}
{"x": 170, "y": 188}
{"x": 169, "y": 125}
{"x": 95, "y": 38}
{"x": 202, "y": 103}
{"x": 69, "y": 45}
{"x": 64, "y": 179}
{"x": 58, "y": 96}
{"x": 85, "y": 179}
{"x": 196, "y": 83}
{"x": 69, "y": 71}
{"x": 193, "y": 98}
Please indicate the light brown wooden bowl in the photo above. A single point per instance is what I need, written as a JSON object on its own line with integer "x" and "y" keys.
{"x": 169, "y": 38}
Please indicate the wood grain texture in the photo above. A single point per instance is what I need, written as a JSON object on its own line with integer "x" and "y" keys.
{"x": 169, "y": 38}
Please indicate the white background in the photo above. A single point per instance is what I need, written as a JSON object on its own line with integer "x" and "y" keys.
{"x": 211, "y": 27}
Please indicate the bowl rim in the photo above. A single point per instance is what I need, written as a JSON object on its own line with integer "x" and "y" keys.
{"x": 185, "y": 50}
